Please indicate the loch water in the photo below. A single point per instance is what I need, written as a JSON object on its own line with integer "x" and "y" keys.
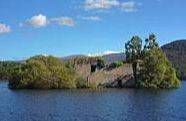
{"x": 93, "y": 105}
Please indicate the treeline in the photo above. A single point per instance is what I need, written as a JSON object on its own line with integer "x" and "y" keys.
{"x": 7, "y": 69}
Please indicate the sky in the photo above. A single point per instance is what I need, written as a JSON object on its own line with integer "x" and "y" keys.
{"x": 67, "y": 27}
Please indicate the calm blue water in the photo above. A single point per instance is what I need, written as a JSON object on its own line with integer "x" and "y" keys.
{"x": 87, "y": 105}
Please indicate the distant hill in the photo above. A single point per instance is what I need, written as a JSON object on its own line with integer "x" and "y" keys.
{"x": 176, "y": 53}
{"x": 109, "y": 58}
{"x": 72, "y": 57}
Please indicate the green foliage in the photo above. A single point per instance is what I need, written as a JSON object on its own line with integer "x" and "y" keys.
{"x": 133, "y": 49}
{"x": 100, "y": 62}
{"x": 117, "y": 64}
{"x": 151, "y": 68}
{"x": 93, "y": 85}
{"x": 81, "y": 83}
{"x": 176, "y": 53}
{"x": 150, "y": 43}
{"x": 156, "y": 71}
{"x": 44, "y": 73}
{"x": 85, "y": 60}
{"x": 7, "y": 68}
{"x": 180, "y": 70}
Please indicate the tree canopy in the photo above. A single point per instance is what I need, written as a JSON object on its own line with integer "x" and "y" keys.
{"x": 156, "y": 71}
{"x": 44, "y": 72}
{"x": 133, "y": 49}
{"x": 151, "y": 68}
{"x": 7, "y": 68}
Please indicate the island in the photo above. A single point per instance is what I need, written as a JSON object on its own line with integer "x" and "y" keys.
{"x": 143, "y": 67}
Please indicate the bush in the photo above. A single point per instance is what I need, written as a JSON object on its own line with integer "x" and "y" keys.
{"x": 43, "y": 73}
{"x": 117, "y": 64}
{"x": 100, "y": 63}
{"x": 81, "y": 83}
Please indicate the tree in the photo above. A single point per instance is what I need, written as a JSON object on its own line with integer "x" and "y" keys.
{"x": 133, "y": 49}
{"x": 150, "y": 42}
{"x": 116, "y": 64}
{"x": 100, "y": 62}
{"x": 156, "y": 71}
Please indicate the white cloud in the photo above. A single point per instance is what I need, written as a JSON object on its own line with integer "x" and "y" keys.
{"x": 4, "y": 28}
{"x": 100, "y": 4}
{"x": 110, "y": 52}
{"x": 104, "y": 53}
{"x": 129, "y": 6}
{"x": 39, "y": 21}
{"x": 64, "y": 21}
{"x": 91, "y": 18}
{"x": 93, "y": 55}
{"x": 42, "y": 21}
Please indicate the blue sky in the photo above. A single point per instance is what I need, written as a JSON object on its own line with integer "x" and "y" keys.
{"x": 65, "y": 27}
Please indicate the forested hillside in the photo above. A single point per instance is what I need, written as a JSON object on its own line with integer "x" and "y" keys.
{"x": 176, "y": 53}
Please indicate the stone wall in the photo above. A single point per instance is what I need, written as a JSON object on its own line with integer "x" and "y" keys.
{"x": 103, "y": 76}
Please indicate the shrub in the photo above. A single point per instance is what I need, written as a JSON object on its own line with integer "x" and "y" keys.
{"x": 43, "y": 72}
{"x": 117, "y": 64}
{"x": 100, "y": 63}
